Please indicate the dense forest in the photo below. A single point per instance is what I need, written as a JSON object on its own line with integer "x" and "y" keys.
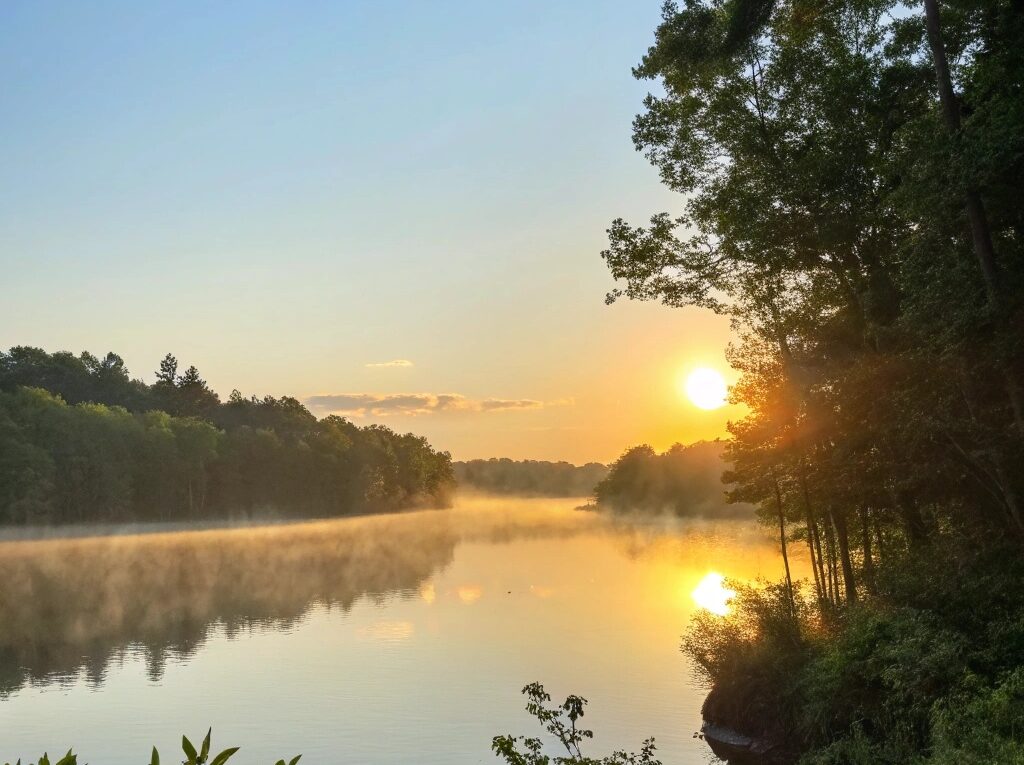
{"x": 530, "y": 478}
{"x": 682, "y": 481}
{"x": 81, "y": 441}
{"x": 850, "y": 176}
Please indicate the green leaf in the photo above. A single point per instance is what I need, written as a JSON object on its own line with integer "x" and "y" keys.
{"x": 206, "y": 746}
{"x": 155, "y": 758}
{"x": 295, "y": 759}
{"x": 221, "y": 758}
{"x": 189, "y": 750}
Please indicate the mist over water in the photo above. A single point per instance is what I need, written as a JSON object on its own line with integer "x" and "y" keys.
{"x": 381, "y": 639}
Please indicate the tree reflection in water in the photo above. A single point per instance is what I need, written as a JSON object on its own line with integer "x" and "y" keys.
{"x": 76, "y": 604}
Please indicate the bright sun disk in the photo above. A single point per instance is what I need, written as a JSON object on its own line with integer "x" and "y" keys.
{"x": 706, "y": 388}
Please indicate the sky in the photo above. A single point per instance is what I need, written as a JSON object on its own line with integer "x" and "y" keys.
{"x": 392, "y": 211}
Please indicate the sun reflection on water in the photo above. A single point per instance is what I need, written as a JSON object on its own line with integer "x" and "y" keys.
{"x": 712, "y": 594}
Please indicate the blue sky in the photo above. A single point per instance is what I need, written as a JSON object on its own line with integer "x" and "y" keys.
{"x": 286, "y": 193}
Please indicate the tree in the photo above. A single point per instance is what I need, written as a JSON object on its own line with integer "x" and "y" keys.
{"x": 167, "y": 374}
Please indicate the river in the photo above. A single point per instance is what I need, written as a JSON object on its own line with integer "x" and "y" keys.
{"x": 383, "y": 639}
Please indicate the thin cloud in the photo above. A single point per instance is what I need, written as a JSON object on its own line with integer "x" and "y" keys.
{"x": 415, "y": 404}
{"x": 497, "y": 404}
{"x": 392, "y": 363}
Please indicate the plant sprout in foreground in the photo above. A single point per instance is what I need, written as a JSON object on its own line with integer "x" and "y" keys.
{"x": 560, "y": 722}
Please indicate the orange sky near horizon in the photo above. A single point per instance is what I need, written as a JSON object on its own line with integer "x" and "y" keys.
{"x": 583, "y": 404}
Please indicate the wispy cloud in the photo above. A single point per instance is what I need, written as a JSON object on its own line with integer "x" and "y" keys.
{"x": 497, "y": 404}
{"x": 392, "y": 363}
{"x": 415, "y": 404}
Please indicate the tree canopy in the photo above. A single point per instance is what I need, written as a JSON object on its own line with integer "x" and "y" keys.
{"x": 80, "y": 441}
{"x": 849, "y": 176}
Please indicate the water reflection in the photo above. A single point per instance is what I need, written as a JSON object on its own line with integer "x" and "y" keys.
{"x": 712, "y": 595}
{"x": 385, "y": 637}
{"x": 73, "y": 605}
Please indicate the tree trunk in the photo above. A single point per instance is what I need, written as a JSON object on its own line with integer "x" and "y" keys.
{"x": 814, "y": 568}
{"x": 782, "y": 542}
{"x": 833, "y": 569}
{"x": 824, "y": 564}
{"x": 814, "y": 541}
{"x": 865, "y": 540}
{"x": 843, "y": 539}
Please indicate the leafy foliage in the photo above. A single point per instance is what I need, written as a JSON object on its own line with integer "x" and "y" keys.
{"x": 193, "y": 756}
{"x": 561, "y": 723}
{"x": 684, "y": 481}
{"x": 534, "y": 478}
{"x": 104, "y": 454}
{"x": 886, "y": 681}
{"x": 850, "y": 174}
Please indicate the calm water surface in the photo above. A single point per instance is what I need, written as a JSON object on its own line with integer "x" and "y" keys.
{"x": 387, "y": 639}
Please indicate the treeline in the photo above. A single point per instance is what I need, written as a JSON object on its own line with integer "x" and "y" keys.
{"x": 851, "y": 182}
{"x": 683, "y": 481}
{"x": 81, "y": 441}
{"x": 531, "y": 478}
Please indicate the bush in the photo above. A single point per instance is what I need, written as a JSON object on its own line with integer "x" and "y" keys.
{"x": 751, "y": 659}
{"x": 982, "y": 725}
{"x": 928, "y": 670}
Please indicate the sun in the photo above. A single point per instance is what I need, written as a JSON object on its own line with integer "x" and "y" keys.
{"x": 712, "y": 594}
{"x": 706, "y": 388}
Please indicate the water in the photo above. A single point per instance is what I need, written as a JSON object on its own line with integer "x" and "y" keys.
{"x": 388, "y": 639}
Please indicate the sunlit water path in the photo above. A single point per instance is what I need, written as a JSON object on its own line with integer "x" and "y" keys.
{"x": 388, "y": 639}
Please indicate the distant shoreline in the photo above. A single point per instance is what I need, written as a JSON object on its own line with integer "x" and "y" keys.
{"x": 145, "y": 528}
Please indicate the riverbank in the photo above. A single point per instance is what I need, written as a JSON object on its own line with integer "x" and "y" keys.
{"x": 926, "y": 669}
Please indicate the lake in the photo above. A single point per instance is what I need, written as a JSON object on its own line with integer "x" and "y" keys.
{"x": 383, "y": 639}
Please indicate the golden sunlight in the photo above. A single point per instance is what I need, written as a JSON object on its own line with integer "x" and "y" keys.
{"x": 706, "y": 388}
{"x": 712, "y": 594}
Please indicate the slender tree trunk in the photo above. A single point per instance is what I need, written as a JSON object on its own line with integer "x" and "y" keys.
{"x": 823, "y": 565}
{"x": 819, "y": 585}
{"x": 878, "y": 538}
{"x": 981, "y": 233}
{"x": 814, "y": 541}
{"x": 833, "y": 568}
{"x": 843, "y": 539}
{"x": 823, "y": 568}
{"x": 865, "y": 539}
{"x": 814, "y": 567}
{"x": 782, "y": 542}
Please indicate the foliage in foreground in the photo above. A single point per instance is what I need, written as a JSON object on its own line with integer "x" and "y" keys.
{"x": 193, "y": 756}
{"x": 926, "y": 671}
{"x": 561, "y": 722}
